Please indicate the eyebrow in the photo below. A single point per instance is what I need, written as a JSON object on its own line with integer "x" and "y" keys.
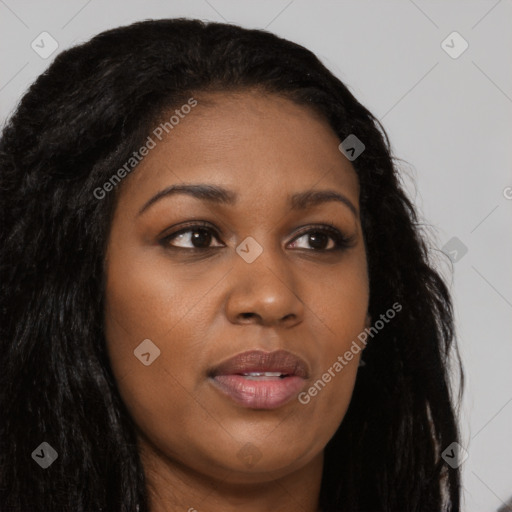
{"x": 220, "y": 195}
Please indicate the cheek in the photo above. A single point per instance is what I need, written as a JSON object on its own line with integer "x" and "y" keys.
{"x": 340, "y": 302}
{"x": 341, "y": 311}
{"x": 137, "y": 294}
{"x": 146, "y": 301}
{"x": 148, "y": 297}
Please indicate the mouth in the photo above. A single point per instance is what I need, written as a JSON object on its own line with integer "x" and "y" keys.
{"x": 261, "y": 380}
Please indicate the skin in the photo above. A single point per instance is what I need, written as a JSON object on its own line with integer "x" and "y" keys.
{"x": 201, "y": 308}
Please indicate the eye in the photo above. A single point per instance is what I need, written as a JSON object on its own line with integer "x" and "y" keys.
{"x": 199, "y": 236}
{"x": 196, "y": 236}
{"x": 322, "y": 238}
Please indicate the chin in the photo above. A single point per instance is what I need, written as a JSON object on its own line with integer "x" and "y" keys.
{"x": 253, "y": 464}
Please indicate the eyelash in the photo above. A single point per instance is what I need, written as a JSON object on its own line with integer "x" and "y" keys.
{"x": 341, "y": 240}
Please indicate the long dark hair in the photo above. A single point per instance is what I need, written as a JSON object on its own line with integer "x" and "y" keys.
{"x": 79, "y": 122}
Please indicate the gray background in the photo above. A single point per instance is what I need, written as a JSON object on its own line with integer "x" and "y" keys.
{"x": 450, "y": 119}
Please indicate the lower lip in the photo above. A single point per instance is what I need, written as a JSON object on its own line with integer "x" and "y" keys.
{"x": 267, "y": 393}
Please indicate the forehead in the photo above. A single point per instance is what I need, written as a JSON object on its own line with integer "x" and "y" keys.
{"x": 248, "y": 141}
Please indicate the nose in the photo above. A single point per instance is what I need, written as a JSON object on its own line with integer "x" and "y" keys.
{"x": 264, "y": 292}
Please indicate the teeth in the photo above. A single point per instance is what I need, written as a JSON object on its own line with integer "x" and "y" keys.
{"x": 262, "y": 374}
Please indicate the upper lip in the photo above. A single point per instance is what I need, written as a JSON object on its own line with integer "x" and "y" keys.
{"x": 259, "y": 361}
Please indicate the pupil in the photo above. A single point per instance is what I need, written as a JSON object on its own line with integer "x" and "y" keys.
{"x": 202, "y": 236}
{"x": 318, "y": 240}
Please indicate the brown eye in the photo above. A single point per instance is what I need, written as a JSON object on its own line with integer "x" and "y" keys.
{"x": 315, "y": 240}
{"x": 193, "y": 237}
{"x": 322, "y": 239}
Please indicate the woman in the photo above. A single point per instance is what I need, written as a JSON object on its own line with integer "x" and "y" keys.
{"x": 174, "y": 335}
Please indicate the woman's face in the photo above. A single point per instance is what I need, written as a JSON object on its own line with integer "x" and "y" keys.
{"x": 260, "y": 274}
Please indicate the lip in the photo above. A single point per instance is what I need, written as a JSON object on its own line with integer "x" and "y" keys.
{"x": 261, "y": 392}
